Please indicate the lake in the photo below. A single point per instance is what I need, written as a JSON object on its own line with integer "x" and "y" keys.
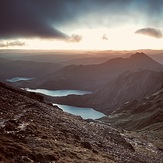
{"x": 16, "y": 79}
{"x": 57, "y": 93}
{"x": 81, "y": 111}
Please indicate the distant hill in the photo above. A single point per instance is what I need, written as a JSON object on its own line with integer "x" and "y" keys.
{"x": 157, "y": 57}
{"x": 3, "y": 60}
{"x": 93, "y": 77}
{"x": 50, "y": 57}
{"x": 11, "y": 69}
{"x": 86, "y": 61}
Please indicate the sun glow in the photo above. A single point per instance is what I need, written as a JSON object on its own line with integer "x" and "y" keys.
{"x": 123, "y": 38}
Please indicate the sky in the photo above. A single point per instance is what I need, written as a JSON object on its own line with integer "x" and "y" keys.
{"x": 81, "y": 24}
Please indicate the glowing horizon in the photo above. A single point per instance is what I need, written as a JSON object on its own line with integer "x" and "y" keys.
{"x": 115, "y": 39}
{"x": 82, "y": 25}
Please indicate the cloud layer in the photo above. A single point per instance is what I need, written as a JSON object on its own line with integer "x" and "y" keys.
{"x": 29, "y": 19}
{"x": 152, "y": 32}
{"x": 46, "y": 19}
{"x": 11, "y": 44}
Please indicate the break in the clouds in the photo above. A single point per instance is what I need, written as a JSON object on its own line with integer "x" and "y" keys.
{"x": 47, "y": 19}
{"x": 12, "y": 44}
{"x": 152, "y": 32}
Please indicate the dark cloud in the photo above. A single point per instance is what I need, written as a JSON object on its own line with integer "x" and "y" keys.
{"x": 46, "y": 18}
{"x": 40, "y": 18}
{"x": 150, "y": 32}
{"x": 12, "y": 44}
{"x": 29, "y": 19}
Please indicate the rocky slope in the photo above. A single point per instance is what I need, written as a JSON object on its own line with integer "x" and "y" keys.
{"x": 126, "y": 87}
{"x": 145, "y": 116}
{"x": 138, "y": 115}
{"x": 33, "y": 131}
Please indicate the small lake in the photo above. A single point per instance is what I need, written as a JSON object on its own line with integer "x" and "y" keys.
{"x": 83, "y": 112}
{"x": 57, "y": 93}
{"x": 16, "y": 79}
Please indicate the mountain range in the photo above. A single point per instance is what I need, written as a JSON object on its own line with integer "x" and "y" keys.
{"x": 128, "y": 90}
{"x": 113, "y": 83}
{"x": 133, "y": 84}
{"x": 93, "y": 77}
{"x": 16, "y": 68}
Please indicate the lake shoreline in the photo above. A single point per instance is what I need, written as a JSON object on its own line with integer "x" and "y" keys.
{"x": 84, "y": 112}
{"x": 81, "y": 111}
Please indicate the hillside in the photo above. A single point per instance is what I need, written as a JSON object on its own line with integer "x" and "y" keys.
{"x": 143, "y": 114}
{"x": 126, "y": 87}
{"x": 93, "y": 77}
{"x": 33, "y": 131}
{"x": 158, "y": 57}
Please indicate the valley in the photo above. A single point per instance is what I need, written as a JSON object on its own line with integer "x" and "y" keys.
{"x": 121, "y": 97}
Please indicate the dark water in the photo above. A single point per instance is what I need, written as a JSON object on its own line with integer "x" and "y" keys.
{"x": 16, "y": 79}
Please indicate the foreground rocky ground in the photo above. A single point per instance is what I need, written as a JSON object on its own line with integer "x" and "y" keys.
{"x": 33, "y": 131}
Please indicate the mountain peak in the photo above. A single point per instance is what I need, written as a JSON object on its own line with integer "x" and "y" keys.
{"x": 143, "y": 61}
{"x": 140, "y": 55}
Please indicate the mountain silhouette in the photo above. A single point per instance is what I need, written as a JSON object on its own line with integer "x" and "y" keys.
{"x": 16, "y": 68}
{"x": 93, "y": 77}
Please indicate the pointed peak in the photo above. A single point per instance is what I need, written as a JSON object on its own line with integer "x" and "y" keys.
{"x": 140, "y": 55}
